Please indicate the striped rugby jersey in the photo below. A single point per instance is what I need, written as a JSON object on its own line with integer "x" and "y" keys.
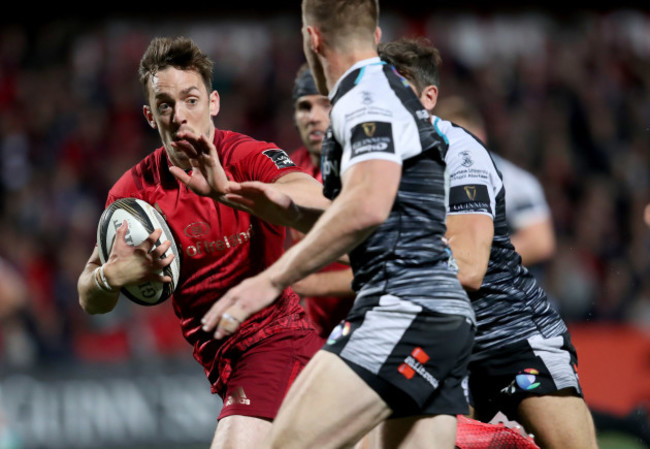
{"x": 510, "y": 306}
{"x": 376, "y": 115}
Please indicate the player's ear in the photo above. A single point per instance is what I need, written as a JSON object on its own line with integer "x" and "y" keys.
{"x": 148, "y": 115}
{"x": 215, "y": 103}
{"x": 377, "y": 35}
{"x": 315, "y": 39}
{"x": 429, "y": 97}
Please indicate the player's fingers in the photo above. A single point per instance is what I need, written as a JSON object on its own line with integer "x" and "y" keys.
{"x": 228, "y": 325}
{"x": 186, "y": 145}
{"x": 122, "y": 230}
{"x": 149, "y": 243}
{"x": 239, "y": 201}
{"x": 212, "y": 317}
{"x": 159, "y": 251}
{"x": 179, "y": 174}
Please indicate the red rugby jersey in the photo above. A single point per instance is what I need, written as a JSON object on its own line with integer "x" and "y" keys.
{"x": 218, "y": 245}
{"x": 325, "y": 312}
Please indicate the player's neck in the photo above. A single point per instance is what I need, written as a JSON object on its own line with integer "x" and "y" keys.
{"x": 337, "y": 63}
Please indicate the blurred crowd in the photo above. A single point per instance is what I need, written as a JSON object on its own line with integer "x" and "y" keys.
{"x": 566, "y": 97}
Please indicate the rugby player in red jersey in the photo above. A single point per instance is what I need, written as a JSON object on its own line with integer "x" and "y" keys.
{"x": 219, "y": 245}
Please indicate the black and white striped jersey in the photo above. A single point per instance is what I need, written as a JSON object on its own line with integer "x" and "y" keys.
{"x": 510, "y": 306}
{"x": 376, "y": 115}
{"x": 525, "y": 200}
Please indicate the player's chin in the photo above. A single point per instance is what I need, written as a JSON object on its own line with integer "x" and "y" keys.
{"x": 179, "y": 159}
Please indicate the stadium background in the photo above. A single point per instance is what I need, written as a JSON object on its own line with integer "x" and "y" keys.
{"x": 566, "y": 96}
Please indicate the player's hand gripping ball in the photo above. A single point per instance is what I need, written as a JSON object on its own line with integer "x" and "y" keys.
{"x": 142, "y": 219}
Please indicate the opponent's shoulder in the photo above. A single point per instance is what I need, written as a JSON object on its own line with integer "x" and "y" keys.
{"x": 516, "y": 173}
{"x": 462, "y": 144}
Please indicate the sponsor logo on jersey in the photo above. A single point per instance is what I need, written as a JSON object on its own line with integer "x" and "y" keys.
{"x": 369, "y": 128}
{"x": 196, "y": 229}
{"x": 329, "y": 167}
{"x": 414, "y": 363}
{"x": 201, "y": 247}
{"x": 340, "y": 331}
{"x": 279, "y": 157}
{"x": 237, "y": 397}
{"x": 469, "y": 198}
{"x": 527, "y": 379}
{"x": 372, "y": 137}
{"x": 471, "y": 192}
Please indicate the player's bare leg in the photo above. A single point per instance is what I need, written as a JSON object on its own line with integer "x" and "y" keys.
{"x": 558, "y": 421}
{"x": 424, "y": 432}
{"x": 241, "y": 432}
{"x": 358, "y": 409}
{"x": 327, "y": 383}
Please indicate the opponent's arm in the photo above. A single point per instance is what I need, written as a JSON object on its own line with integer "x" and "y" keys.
{"x": 535, "y": 242}
{"x": 365, "y": 201}
{"x": 126, "y": 265}
{"x": 470, "y": 238}
{"x": 328, "y": 283}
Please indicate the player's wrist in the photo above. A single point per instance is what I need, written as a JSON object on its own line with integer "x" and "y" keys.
{"x": 102, "y": 281}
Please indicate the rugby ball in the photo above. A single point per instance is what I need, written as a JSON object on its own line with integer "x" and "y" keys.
{"x": 142, "y": 219}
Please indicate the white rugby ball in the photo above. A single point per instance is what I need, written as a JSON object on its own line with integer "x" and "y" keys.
{"x": 142, "y": 219}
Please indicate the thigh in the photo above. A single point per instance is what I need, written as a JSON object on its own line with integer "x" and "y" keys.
{"x": 531, "y": 368}
{"x": 328, "y": 406}
{"x": 262, "y": 374}
{"x": 241, "y": 432}
{"x": 417, "y": 432}
{"x": 558, "y": 420}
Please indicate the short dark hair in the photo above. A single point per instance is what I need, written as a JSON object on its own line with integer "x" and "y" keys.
{"x": 181, "y": 53}
{"x": 304, "y": 84}
{"x": 340, "y": 19}
{"x": 415, "y": 58}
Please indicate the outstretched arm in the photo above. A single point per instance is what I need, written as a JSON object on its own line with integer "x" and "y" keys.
{"x": 294, "y": 200}
{"x": 535, "y": 242}
{"x": 367, "y": 196}
{"x": 208, "y": 177}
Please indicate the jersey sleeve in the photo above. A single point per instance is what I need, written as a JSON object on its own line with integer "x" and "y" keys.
{"x": 260, "y": 161}
{"x": 525, "y": 200}
{"x": 368, "y": 127}
{"x": 473, "y": 179}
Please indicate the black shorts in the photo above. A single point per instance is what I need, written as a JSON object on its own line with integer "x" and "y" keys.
{"x": 414, "y": 358}
{"x": 536, "y": 366}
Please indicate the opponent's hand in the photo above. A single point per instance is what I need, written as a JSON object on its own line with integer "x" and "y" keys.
{"x": 240, "y": 302}
{"x": 128, "y": 264}
{"x": 264, "y": 201}
{"x": 208, "y": 178}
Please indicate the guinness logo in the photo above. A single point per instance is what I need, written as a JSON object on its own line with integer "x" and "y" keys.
{"x": 470, "y": 191}
{"x": 369, "y": 128}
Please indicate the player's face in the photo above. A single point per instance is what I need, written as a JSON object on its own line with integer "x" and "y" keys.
{"x": 179, "y": 101}
{"x": 312, "y": 119}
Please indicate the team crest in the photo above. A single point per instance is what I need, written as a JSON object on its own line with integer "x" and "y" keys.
{"x": 467, "y": 160}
